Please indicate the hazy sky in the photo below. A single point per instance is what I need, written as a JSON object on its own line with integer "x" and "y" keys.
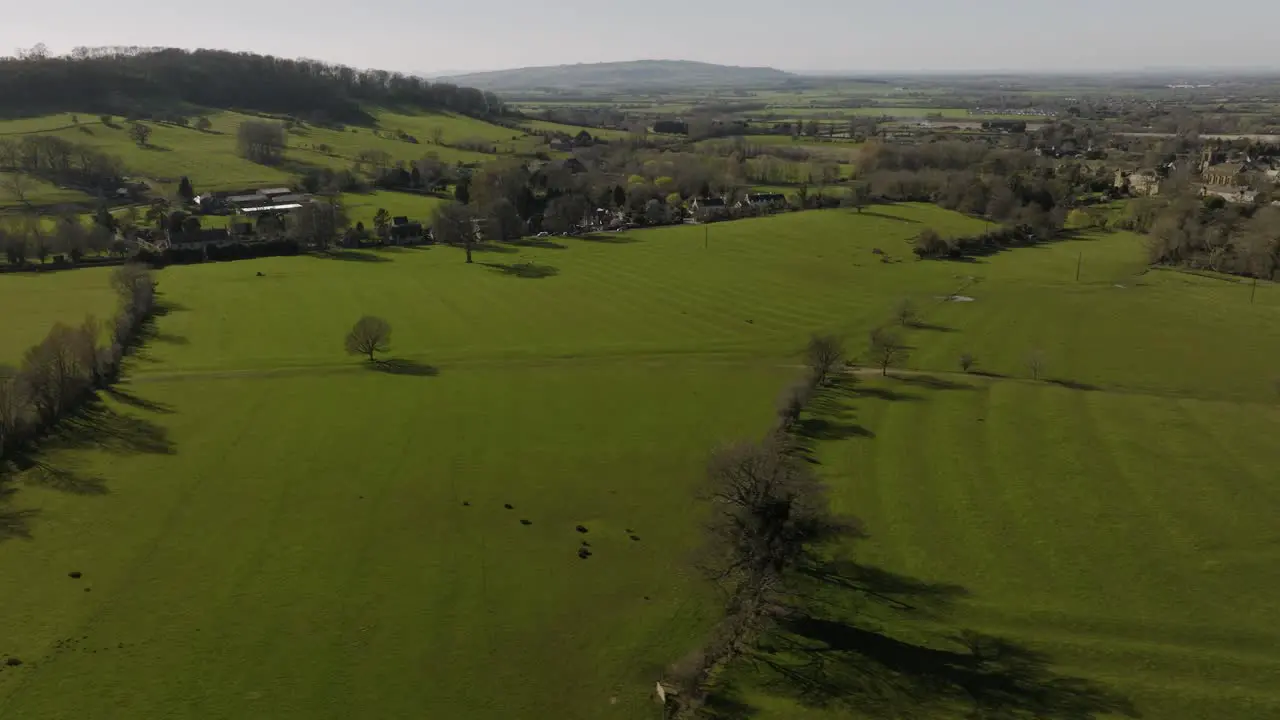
{"x": 846, "y": 35}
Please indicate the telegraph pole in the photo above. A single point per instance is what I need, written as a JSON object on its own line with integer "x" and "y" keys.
{"x": 1254, "y": 292}
{"x": 1079, "y": 262}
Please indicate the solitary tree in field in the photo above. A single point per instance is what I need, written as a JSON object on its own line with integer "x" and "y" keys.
{"x": 1035, "y": 363}
{"x": 859, "y": 196}
{"x": 203, "y": 124}
{"x": 437, "y": 135}
{"x": 905, "y": 312}
{"x": 886, "y": 349}
{"x": 140, "y": 134}
{"x": 967, "y": 361}
{"x": 185, "y": 191}
{"x": 823, "y": 356}
{"x": 368, "y": 336}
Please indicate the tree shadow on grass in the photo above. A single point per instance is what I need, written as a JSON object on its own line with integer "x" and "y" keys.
{"x": 353, "y": 256}
{"x": 933, "y": 328}
{"x": 402, "y": 366}
{"x": 125, "y": 397}
{"x": 880, "y": 393}
{"x": 493, "y": 247}
{"x": 609, "y": 238}
{"x": 527, "y": 270}
{"x": 887, "y": 216}
{"x": 1072, "y": 385}
{"x": 933, "y": 383}
{"x": 543, "y": 243}
{"x": 827, "y": 653}
{"x": 98, "y": 426}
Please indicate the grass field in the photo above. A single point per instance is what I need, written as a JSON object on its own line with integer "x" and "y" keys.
{"x": 210, "y": 159}
{"x": 31, "y": 303}
{"x": 277, "y": 531}
{"x": 362, "y": 207}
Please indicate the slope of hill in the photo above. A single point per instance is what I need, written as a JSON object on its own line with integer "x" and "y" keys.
{"x": 639, "y": 73}
{"x": 149, "y": 81}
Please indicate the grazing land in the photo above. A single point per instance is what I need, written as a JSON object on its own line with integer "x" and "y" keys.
{"x": 268, "y": 527}
{"x": 31, "y": 303}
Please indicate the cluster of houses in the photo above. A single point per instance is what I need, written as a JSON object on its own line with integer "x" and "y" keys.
{"x": 1234, "y": 178}
{"x": 710, "y": 209}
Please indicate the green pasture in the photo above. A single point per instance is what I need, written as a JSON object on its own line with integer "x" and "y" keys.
{"x": 362, "y": 207}
{"x": 30, "y": 304}
{"x": 268, "y": 528}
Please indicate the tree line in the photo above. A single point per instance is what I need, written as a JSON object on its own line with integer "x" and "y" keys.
{"x": 1210, "y": 233}
{"x": 769, "y": 512}
{"x": 58, "y": 374}
{"x": 57, "y": 160}
{"x": 133, "y": 80}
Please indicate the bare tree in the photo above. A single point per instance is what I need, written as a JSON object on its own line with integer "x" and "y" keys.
{"x": 967, "y": 361}
{"x": 368, "y": 336}
{"x": 1035, "y": 363}
{"x": 203, "y": 124}
{"x": 905, "y": 312}
{"x": 454, "y": 224}
{"x": 17, "y": 185}
{"x": 886, "y": 349}
{"x": 140, "y": 134}
{"x": 792, "y": 402}
{"x": 437, "y": 135}
{"x": 52, "y": 373}
{"x": 823, "y": 356}
{"x": 13, "y": 404}
{"x": 261, "y": 142}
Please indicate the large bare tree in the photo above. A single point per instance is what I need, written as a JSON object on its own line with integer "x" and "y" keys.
{"x": 886, "y": 349}
{"x": 368, "y": 336}
{"x": 823, "y": 356}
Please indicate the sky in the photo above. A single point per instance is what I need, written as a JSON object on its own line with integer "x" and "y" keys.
{"x": 854, "y": 36}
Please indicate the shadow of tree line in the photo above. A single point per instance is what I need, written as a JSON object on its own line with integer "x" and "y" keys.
{"x": 857, "y": 638}
{"x": 96, "y": 425}
{"x": 832, "y": 650}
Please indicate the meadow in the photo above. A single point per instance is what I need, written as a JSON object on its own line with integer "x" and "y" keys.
{"x": 31, "y": 303}
{"x": 209, "y": 158}
{"x": 269, "y": 528}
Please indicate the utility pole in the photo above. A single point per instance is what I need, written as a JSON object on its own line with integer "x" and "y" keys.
{"x": 706, "y": 236}
{"x": 1254, "y": 292}
{"x": 1079, "y": 262}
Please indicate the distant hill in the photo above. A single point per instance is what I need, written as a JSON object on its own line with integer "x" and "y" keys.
{"x": 635, "y": 74}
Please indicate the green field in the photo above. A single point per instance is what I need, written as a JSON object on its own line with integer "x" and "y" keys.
{"x": 281, "y": 532}
{"x": 210, "y": 159}
{"x": 31, "y": 303}
{"x": 362, "y": 207}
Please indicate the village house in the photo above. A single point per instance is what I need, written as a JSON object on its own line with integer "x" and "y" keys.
{"x": 705, "y": 209}
{"x": 764, "y": 201}
{"x": 1141, "y": 183}
{"x": 1225, "y": 175}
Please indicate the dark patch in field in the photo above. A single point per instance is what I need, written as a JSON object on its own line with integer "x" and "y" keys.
{"x": 88, "y": 589}
{"x": 1073, "y": 385}
{"x": 526, "y": 522}
{"x": 12, "y": 662}
{"x": 127, "y": 398}
{"x": 635, "y": 538}
{"x": 75, "y": 575}
{"x": 581, "y": 528}
{"x": 526, "y": 270}
{"x": 543, "y": 243}
{"x": 15, "y": 524}
{"x": 353, "y": 256}
{"x": 493, "y": 247}
{"x": 826, "y": 654}
{"x": 933, "y": 383}
{"x": 886, "y": 216}
{"x": 886, "y": 394}
{"x": 584, "y": 553}
{"x": 609, "y": 238}
{"x": 989, "y": 374}
{"x": 466, "y": 503}
{"x": 820, "y": 428}
{"x": 931, "y": 327}
{"x": 508, "y": 506}
{"x": 401, "y": 366}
